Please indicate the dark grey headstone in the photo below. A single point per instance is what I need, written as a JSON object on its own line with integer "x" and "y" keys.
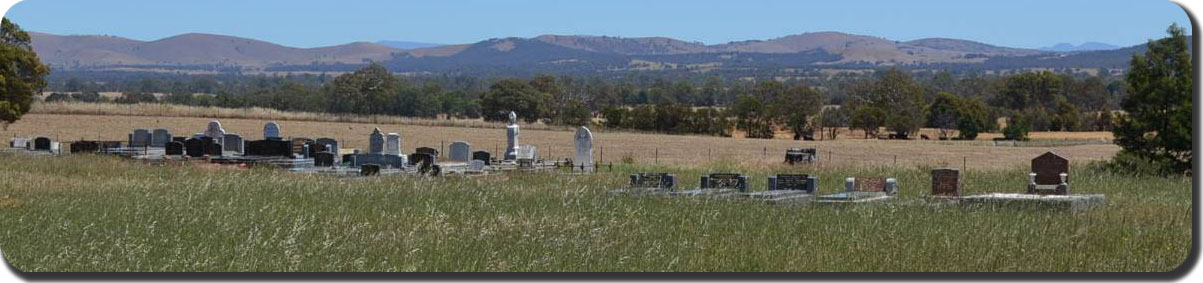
{"x": 323, "y": 159}
{"x": 174, "y": 148}
{"x": 483, "y": 156}
{"x": 41, "y": 143}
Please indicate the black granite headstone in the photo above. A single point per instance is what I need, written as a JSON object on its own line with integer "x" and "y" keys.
{"x": 483, "y": 156}
{"x": 174, "y": 148}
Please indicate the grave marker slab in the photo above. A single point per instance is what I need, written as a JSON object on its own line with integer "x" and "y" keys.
{"x": 945, "y": 182}
{"x": 460, "y": 151}
{"x": 1050, "y": 175}
{"x": 140, "y": 138}
{"x": 41, "y": 143}
{"x": 273, "y": 147}
{"x": 718, "y": 185}
{"x": 483, "y": 156}
{"x": 583, "y": 160}
{"x": 323, "y": 159}
{"x": 160, "y": 138}
{"x": 427, "y": 150}
{"x": 392, "y": 144}
{"x": 271, "y": 130}
{"x": 369, "y": 170}
{"x": 174, "y": 148}
{"x": 376, "y": 142}
{"x": 233, "y": 142}
{"x": 649, "y": 184}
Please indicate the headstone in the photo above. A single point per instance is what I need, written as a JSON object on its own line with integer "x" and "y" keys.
{"x": 583, "y": 161}
{"x": 271, "y": 131}
{"x": 483, "y": 156}
{"x": 195, "y": 147}
{"x": 178, "y": 139}
{"x": 797, "y": 182}
{"x": 215, "y": 131}
{"x": 376, "y": 142}
{"x": 384, "y": 160}
{"x": 323, "y": 159}
{"x": 233, "y": 142}
{"x": 140, "y": 138}
{"x": 476, "y": 165}
{"x": 213, "y": 149}
{"x": 85, "y": 147}
{"x": 272, "y": 147}
{"x": 460, "y": 151}
{"x": 801, "y": 156}
{"x": 298, "y": 146}
{"x": 331, "y": 145}
{"x": 18, "y": 143}
{"x": 160, "y": 138}
{"x": 1050, "y": 175}
{"x": 174, "y": 148}
{"x": 653, "y": 180}
{"x": 787, "y": 188}
{"x": 424, "y": 161}
{"x": 511, "y": 140}
{"x": 369, "y": 170}
{"x": 725, "y": 181}
{"x": 945, "y": 182}
{"x": 427, "y": 150}
{"x": 527, "y": 154}
{"x": 392, "y": 144}
{"x": 41, "y": 143}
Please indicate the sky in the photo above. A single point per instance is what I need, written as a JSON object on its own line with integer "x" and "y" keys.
{"x": 313, "y": 23}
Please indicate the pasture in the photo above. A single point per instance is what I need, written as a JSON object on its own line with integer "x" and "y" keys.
{"x": 99, "y": 213}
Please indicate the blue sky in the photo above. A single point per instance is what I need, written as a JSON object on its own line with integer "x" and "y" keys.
{"x": 310, "y": 23}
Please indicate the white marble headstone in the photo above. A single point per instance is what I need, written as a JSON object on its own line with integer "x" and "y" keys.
{"x": 583, "y": 161}
{"x": 392, "y": 144}
{"x": 215, "y": 131}
{"x": 511, "y": 141}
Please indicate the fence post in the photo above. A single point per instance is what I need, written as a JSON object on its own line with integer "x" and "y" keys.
{"x": 657, "y": 155}
{"x": 895, "y": 160}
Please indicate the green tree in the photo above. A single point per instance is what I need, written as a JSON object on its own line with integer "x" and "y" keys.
{"x": 22, "y": 75}
{"x": 513, "y": 95}
{"x": 868, "y": 119}
{"x": 796, "y": 108}
{"x": 1157, "y": 126}
{"x": 833, "y": 119}
{"x": 1017, "y": 128}
{"x": 944, "y": 113}
{"x": 972, "y": 118}
{"x": 897, "y": 91}
{"x": 753, "y": 117}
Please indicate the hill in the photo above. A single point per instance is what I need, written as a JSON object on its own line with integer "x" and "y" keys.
{"x": 194, "y": 49}
{"x": 560, "y": 54}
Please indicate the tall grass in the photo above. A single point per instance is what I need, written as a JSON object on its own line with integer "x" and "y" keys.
{"x": 93, "y": 213}
{"x": 174, "y": 110}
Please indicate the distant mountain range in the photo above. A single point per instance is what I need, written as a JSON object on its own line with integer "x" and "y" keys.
{"x": 556, "y": 54}
{"x": 407, "y": 44}
{"x": 1089, "y": 46}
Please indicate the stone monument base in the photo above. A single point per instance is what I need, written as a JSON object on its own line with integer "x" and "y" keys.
{"x": 777, "y": 196}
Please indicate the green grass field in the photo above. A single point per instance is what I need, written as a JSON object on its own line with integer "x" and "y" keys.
{"x": 93, "y": 213}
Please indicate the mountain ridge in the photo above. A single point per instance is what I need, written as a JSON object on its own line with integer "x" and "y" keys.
{"x": 579, "y": 53}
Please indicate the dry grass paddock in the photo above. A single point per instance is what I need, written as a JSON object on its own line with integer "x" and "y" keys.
{"x": 609, "y": 147}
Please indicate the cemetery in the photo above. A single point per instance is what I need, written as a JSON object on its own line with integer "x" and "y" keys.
{"x": 1048, "y": 181}
{"x": 389, "y": 175}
